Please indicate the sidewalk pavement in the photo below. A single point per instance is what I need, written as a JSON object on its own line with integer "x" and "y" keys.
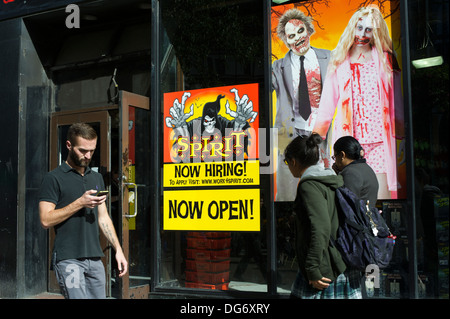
{"x": 45, "y": 295}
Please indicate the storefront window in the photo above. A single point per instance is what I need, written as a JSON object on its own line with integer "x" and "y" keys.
{"x": 430, "y": 101}
{"x": 209, "y": 46}
{"x": 321, "y": 38}
{"x": 212, "y": 57}
{"x": 212, "y": 218}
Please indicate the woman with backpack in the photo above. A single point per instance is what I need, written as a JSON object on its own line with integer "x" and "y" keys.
{"x": 322, "y": 272}
{"x": 358, "y": 176}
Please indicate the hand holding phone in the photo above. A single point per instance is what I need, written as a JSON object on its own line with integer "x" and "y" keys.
{"x": 93, "y": 198}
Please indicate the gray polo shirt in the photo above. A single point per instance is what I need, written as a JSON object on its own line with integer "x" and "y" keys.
{"x": 78, "y": 236}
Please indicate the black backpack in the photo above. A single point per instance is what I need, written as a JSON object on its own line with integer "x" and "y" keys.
{"x": 363, "y": 235}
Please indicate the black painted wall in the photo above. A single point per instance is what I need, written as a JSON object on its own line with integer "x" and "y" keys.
{"x": 9, "y": 93}
{"x": 36, "y": 159}
{"x": 25, "y": 99}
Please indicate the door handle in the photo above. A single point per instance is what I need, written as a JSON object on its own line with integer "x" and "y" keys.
{"x": 135, "y": 187}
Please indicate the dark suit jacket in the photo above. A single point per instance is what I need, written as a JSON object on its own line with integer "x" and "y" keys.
{"x": 282, "y": 83}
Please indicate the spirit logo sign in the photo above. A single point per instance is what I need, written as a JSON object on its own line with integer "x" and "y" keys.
{"x": 211, "y": 125}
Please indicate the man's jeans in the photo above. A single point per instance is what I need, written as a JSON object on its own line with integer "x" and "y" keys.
{"x": 82, "y": 278}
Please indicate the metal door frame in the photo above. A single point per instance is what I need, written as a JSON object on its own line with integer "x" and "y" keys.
{"x": 127, "y": 100}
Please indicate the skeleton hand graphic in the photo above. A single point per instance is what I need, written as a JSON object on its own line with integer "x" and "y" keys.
{"x": 244, "y": 110}
{"x": 178, "y": 119}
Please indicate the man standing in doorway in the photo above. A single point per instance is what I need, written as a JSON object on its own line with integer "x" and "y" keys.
{"x": 68, "y": 202}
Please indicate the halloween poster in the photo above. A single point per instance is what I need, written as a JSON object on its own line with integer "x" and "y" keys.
{"x": 211, "y": 166}
{"x": 349, "y": 53}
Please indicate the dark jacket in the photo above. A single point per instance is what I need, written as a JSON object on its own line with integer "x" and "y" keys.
{"x": 316, "y": 221}
{"x": 360, "y": 178}
{"x": 282, "y": 83}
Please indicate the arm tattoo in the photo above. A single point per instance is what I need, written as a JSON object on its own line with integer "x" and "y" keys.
{"x": 108, "y": 233}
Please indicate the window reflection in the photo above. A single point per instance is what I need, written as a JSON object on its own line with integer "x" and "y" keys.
{"x": 224, "y": 46}
{"x": 430, "y": 104}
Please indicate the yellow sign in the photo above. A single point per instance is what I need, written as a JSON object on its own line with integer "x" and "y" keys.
{"x": 243, "y": 173}
{"x": 212, "y": 210}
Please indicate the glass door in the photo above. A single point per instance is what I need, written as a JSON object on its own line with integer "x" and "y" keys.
{"x": 134, "y": 177}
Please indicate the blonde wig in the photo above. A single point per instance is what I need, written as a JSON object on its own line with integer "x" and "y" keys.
{"x": 288, "y": 16}
{"x": 381, "y": 39}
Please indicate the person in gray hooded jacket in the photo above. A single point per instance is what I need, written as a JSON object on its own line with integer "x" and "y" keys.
{"x": 322, "y": 271}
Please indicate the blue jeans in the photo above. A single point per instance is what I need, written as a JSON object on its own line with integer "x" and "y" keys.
{"x": 82, "y": 278}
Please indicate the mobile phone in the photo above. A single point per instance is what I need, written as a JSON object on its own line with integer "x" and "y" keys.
{"x": 101, "y": 193}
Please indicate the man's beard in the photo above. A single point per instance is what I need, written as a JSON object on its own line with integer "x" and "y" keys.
{"x": 78, "y": 162}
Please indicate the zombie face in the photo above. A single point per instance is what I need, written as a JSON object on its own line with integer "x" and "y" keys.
{"x": 209, "y": 123}
{"x": 297, "y": 36}
{"x": 363, "y": 31}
